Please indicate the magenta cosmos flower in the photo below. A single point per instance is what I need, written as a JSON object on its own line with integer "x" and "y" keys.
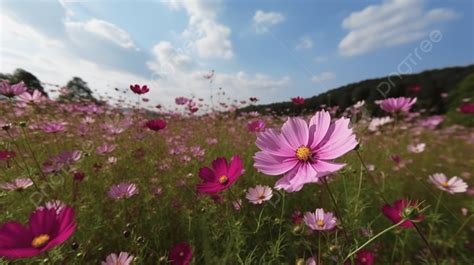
{"x": 467, "y": 108}
{"x": 139, "y": 90}
{"x": 122, "y": 190}
{"x": 319, "y": 220}
{"x": 453, "y": 185}
{"x": 298, "y": 100}
{"x": 45, "y": 230}
{"x": 181, "y": 254}
{"x": 259, "y": 194}
{"x": 403, "y": 209}
{"x": 123, "y": 258}
{"x": 17, "y": 184}
{"x": 401, "y": 104}
{"x": 304, "y": 153}
{"x": 256, "y": 126}
{"x": 221, "y": 176}
{"x": 10, "y": 91}
{"x": 365, "y": 257}
{"x": 156, "y": 125}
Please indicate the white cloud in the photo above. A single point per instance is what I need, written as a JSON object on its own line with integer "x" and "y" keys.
{"x": 264, "y": 20}
{"x": 204, "y": 32}
{"x": 304, "y": 43}
{"x": 391, "y": 23}
{"x": 105, "y": 30}
{"x": 169, "y": 59}
{"x": 323, "y": 77}
{"x": 87, "y": 52}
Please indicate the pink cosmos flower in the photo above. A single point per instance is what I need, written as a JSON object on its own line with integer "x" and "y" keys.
{"x": 401, "y": 104}
{"x": 139, "y": 90}
{"x": 304, "y": 153}
{"x": 122, "y": 190}
{"x": 53, "y": 127}
{"x": 45, "y": 230}
{"x": 256, "y": 126}
{"x": 105, "y": 149}
{"x": 298, "y": 100}
{"x": 311, "y": 261}
{"x": 432, "y": 121}
{"x": 123, "y": 258}
{"x": 35, "y": 97}
{"x": 259, "y": 194}
{"x": 221, "y": 176}
{"x": 453, "y": 185}
{"x": 400, "y": 209}
{"x": 11, "y": 91}
{"x": 156, "y": 125}
{"x": 181, "y": 101}
{"x": 181, "y": 254}
{"x": 17, "y": 184}
{"x": 319, "y": 220}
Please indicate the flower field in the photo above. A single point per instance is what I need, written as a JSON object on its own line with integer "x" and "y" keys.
{"x": 86, "y": 183}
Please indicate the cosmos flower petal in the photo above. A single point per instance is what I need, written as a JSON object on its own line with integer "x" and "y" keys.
{"x": 273, "y": 165}
{"x": 274, "y": 143}
{"x": 318, "y": 127}
{"x": 295, "y": 131}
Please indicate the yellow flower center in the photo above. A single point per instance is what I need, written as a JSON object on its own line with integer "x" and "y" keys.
{"x": 303, "y": 153}
{"x": 40, "y": 240}
{"x": 445, "y": 184}
{"x": 320, "y": 223}
{"x": 261, "y": 196}
{"x": 223, "y": 179}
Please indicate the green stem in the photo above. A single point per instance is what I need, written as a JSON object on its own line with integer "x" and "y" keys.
{"x": 426, "y": 243}
{"x": 462, "y": 226}
{"x": 373, "y": 238}
{"x": 372, "y": 178}
{"x": 319, "y": 247}
{"x": 336, "y": 209}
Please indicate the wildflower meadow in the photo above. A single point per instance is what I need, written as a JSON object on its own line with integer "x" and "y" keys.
{"x": 102, "y": 183}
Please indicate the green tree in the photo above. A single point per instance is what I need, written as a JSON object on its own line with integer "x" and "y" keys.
{"x": 77, "y": 90}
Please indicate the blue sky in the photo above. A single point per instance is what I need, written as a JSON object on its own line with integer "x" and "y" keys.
{"x": 271, "y": 49}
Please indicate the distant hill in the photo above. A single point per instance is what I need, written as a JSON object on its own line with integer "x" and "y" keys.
{"x": 433, "y": 84}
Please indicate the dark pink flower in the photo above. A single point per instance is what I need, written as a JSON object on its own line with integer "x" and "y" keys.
{"x": 181, "y": 100}
{"x": 181, "y": 254}
{"x": 5, "y": 155}
{"x": 403, "y": 209}
{"x": 156, "y": 125}
{"x": 256, "y": 126}
{"x": 222, "y": 176}
{"x": 139, "y": 90}
{"x": 298, "y": 100}
{"x": 365, "y": 257}
{"x": 467, "y": 108}
{"x": 45, "y": 230}
{"x": 414, "y": 88}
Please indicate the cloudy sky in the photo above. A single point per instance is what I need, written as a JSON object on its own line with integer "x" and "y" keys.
{"x": 269, "y": 48}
